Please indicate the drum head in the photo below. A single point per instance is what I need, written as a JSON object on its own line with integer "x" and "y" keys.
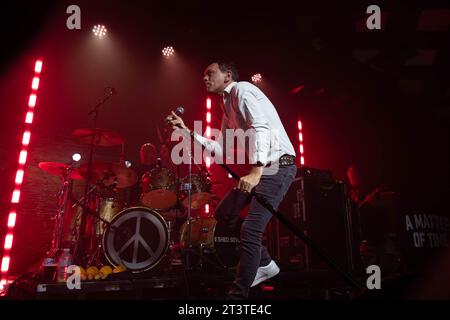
{"x": 159, "y": 189}
{"x": 201, "y": 191}
{"x": 172, "y": 214}
{"x": 198, "y": 200}
{"x": 161, "y": 199}
{"x": 137, "y": 238}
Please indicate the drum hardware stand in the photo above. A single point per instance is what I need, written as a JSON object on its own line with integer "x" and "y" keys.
{"x": 96, "y": 257}
{"x": 95, "y": 214}
{"x": 81, "y": 247}
{"x": 97, "y": 254}
{"x": 98, "y": 245}
{"x": 189, "y": 225}
{"x": 172, "y": 248}
{"x": 200, "y": 262}
{"x": 202, "y": 258}
{"x": 219, "y": 264}
{"x": 63, "y": 202}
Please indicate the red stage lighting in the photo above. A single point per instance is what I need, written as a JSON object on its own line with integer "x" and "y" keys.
{"x": 8, "y": 242}
{"x": 5, "y": 265}
{"x": 29, "y": 117}
{"x": 35, "y": 83}
{"x": 26, "y": 138}
{"x": 38, "y": 66}
{"x": 11, "y": 220}
{"x": 32, "y": 101}
{"x": 15, "y": 198}
{"x": 19, "y": 177}
{"x": 300, "y": 140}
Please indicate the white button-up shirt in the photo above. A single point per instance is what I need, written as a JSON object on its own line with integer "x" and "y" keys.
{"x": 246, "y": 107}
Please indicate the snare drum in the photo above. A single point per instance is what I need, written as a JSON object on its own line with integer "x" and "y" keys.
{"x": 106, "y": 208}
{"x": 109, "y": 208}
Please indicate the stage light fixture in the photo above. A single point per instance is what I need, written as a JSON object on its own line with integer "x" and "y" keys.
{"x": 76, "y": 157}
{"x": 99, "y": 31}
{"x": 256, "y": 78}
{"x": 168, "y": 51}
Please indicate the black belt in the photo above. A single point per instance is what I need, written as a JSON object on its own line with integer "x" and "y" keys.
{"x": 284, "y": 161}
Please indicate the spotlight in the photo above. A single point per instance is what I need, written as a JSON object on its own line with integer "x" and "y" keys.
{"x": 99, "y": 31}
{"x": 168, "y": 51}
{"x": 76, "y": 157}
{"x": 256, "y": 78}
{"x": 128, "y": 164}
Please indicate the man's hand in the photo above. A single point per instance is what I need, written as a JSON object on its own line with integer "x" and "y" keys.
{"x": 248, "y": 182}
{"x": 176, "y": 122}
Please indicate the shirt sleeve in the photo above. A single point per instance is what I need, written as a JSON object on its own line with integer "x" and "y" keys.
{"x": 213, "y": 146}
{"x": 252, "y": 111}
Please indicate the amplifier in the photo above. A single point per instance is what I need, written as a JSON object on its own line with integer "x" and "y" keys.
{"x": 319, "y": 205}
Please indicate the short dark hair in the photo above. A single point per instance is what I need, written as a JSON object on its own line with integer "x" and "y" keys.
{"x": 225, "y": 66}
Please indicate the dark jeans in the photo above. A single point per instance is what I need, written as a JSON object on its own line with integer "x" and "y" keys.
{"x": 253, "y": 254}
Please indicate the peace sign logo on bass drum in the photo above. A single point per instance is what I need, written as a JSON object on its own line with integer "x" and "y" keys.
{"x": 137, "y": 238}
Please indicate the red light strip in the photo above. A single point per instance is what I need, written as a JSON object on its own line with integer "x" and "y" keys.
{"x": 301, "y": 148}
{"x": 208, "y": 134}
{"x": 29, "y": 117}
{"x": 15, "y": 197}
{"x": 208, "y": 127}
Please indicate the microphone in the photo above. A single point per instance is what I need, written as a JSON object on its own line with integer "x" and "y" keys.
{"x": 179, "y": 111}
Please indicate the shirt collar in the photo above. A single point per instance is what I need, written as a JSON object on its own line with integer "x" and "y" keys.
{"x": 229, "y": 87}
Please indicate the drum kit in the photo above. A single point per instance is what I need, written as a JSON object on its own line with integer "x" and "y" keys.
{"x": 105, "y": 227}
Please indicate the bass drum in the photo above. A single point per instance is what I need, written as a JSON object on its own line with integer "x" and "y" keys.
{"x": 211, "y": 238}
{"x": 137, "y": 239}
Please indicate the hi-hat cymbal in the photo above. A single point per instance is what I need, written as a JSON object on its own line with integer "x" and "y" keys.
{"x": 109, "y": 173}
{"x": 60, "y": 169}
{"x": 102, "y": 137}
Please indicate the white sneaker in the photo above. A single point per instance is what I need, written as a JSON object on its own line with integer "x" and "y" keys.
{"x": 266, "y": 272}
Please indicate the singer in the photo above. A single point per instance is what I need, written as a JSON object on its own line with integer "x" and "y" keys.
{"x": 246, "y": 107}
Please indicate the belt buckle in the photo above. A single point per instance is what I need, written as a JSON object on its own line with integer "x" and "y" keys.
{"x": 286, "y": 160}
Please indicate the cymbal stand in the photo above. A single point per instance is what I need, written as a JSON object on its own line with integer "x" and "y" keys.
{"x": 189, "y": 224}
{"x": 63, "y": 203}
{"x": 82, "y": 245}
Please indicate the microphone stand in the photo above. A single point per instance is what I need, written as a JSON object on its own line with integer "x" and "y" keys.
{"x": 189, "y": 225}
{"x": 81, "y": 246}
{"x": 297, "y": 231}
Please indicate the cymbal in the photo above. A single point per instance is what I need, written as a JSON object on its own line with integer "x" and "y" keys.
{"x": 59, "y": 169}
{"x": 102, "y": 137}
{"x": 108, "y": 173}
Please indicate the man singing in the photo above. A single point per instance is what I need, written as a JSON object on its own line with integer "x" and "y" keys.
{"x": 273, "y": 168}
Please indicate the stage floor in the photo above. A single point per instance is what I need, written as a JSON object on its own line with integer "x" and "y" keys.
{"x": 183, "y": 284}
